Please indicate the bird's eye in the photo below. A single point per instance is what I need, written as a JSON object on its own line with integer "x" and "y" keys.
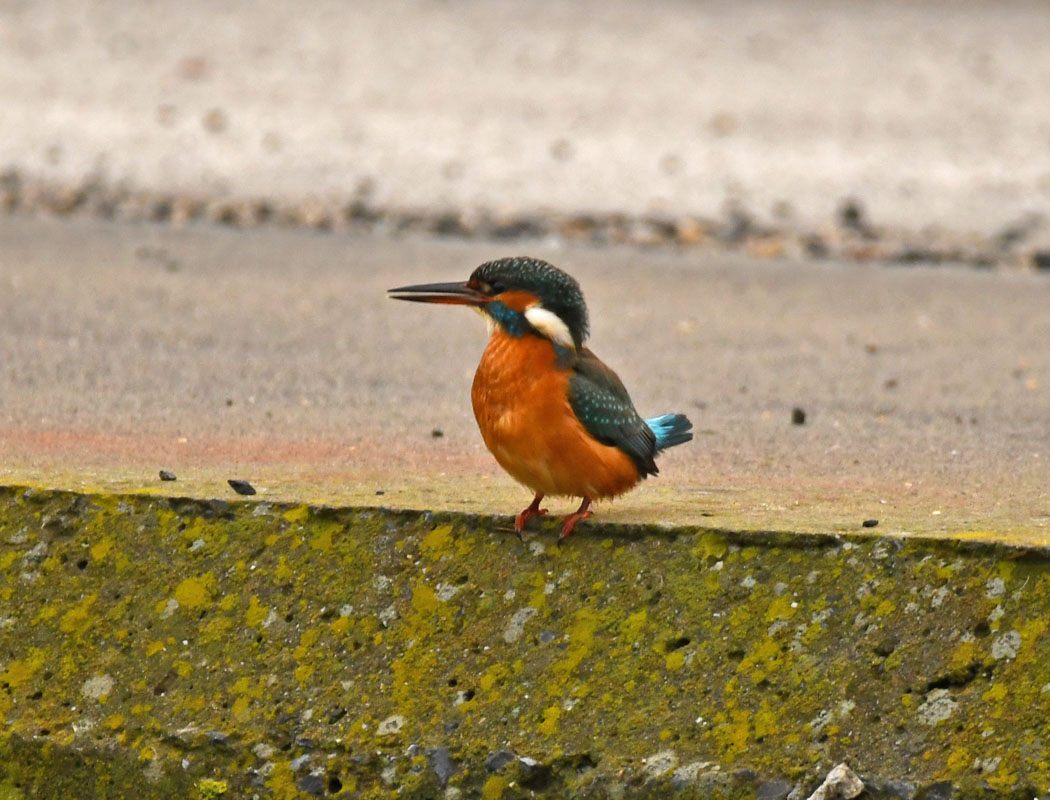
{"x": 496, "y": 287}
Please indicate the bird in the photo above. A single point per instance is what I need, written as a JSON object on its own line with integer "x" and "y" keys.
{"x": 555, "y": 417}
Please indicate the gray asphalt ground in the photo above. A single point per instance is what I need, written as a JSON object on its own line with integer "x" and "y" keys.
{"x": 274, "y": 355}
{"x": 933, "y": 114}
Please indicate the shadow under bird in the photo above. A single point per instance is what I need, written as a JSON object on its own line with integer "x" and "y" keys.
{"x": 554, "y": 416}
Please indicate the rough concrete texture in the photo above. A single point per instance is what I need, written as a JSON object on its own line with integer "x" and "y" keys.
{"x": 168, "y": 648}
{"x": 929, "y": 113}
{"x": 275, "y": 356}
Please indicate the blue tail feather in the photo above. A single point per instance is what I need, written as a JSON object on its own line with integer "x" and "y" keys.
{"x": 670, "y": 430}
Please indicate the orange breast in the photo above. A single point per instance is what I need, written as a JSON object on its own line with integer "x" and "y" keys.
{"x": 522, "y": 406}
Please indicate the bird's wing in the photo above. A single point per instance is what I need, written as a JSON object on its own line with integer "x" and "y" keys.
{"x": 601, "y": 403}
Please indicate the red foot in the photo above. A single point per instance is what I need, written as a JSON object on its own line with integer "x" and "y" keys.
{"x": 522, "y": 519}
{"x": 569, "y": 523}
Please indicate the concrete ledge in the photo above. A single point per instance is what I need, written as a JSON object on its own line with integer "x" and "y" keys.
{"x": 166, "y": 647}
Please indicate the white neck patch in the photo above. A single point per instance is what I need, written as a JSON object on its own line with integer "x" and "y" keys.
{"x": 550, "y": 325}
{"x": 490, "y": 323}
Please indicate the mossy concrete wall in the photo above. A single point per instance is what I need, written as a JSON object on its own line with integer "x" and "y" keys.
{"x": 164, "y": 648}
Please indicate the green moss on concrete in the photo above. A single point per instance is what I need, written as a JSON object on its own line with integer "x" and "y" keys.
{"x": 181, "y": 646}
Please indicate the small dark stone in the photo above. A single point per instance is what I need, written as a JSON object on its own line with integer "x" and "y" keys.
{"x": 241, "y": 487}
{"x": 336, "y": 714}
{"x": 442, "y": 764}
{"x": 851, "y": 212}
{"x": 918, "y": 255}
{"x": 738, "y": 227}
{"x": 312, "y": 784}
{"x": 815, "y": 246}
{"x": 437, "y": 433}
{"x": 870, "y": 523}
{"x": 516, "y": 229}
{"x": 160, "y": 211}
{"x": 380, "y": 492}
{"x": 1014, "y": 234}
{"x": 165, "y": 475}
{"x": 798, "y": 416}
{"x": 448, "y": 225}
{"x": 774, "y": 790}
{"x": 498, "y": 760}
{"x": 1041, "y": 259}
{"x": 547, "y": 636}
{"x": 852, "y": 216}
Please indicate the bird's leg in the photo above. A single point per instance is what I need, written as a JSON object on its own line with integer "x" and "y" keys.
{"x": 533, "y": 510}
{"x": 569, "y": 523}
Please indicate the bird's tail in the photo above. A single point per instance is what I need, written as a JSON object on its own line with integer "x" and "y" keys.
{"x": 670, "y": 429}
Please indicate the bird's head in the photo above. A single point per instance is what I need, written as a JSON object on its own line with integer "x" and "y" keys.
{"x": 521, "y": 295}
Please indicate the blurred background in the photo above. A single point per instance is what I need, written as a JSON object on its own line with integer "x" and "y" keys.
{"x": 899, "y": 131}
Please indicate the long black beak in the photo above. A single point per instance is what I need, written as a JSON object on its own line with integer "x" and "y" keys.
{"x": 451, "y": 293}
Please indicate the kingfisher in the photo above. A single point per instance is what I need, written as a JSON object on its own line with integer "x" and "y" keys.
{"x": 555, "y": 417}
